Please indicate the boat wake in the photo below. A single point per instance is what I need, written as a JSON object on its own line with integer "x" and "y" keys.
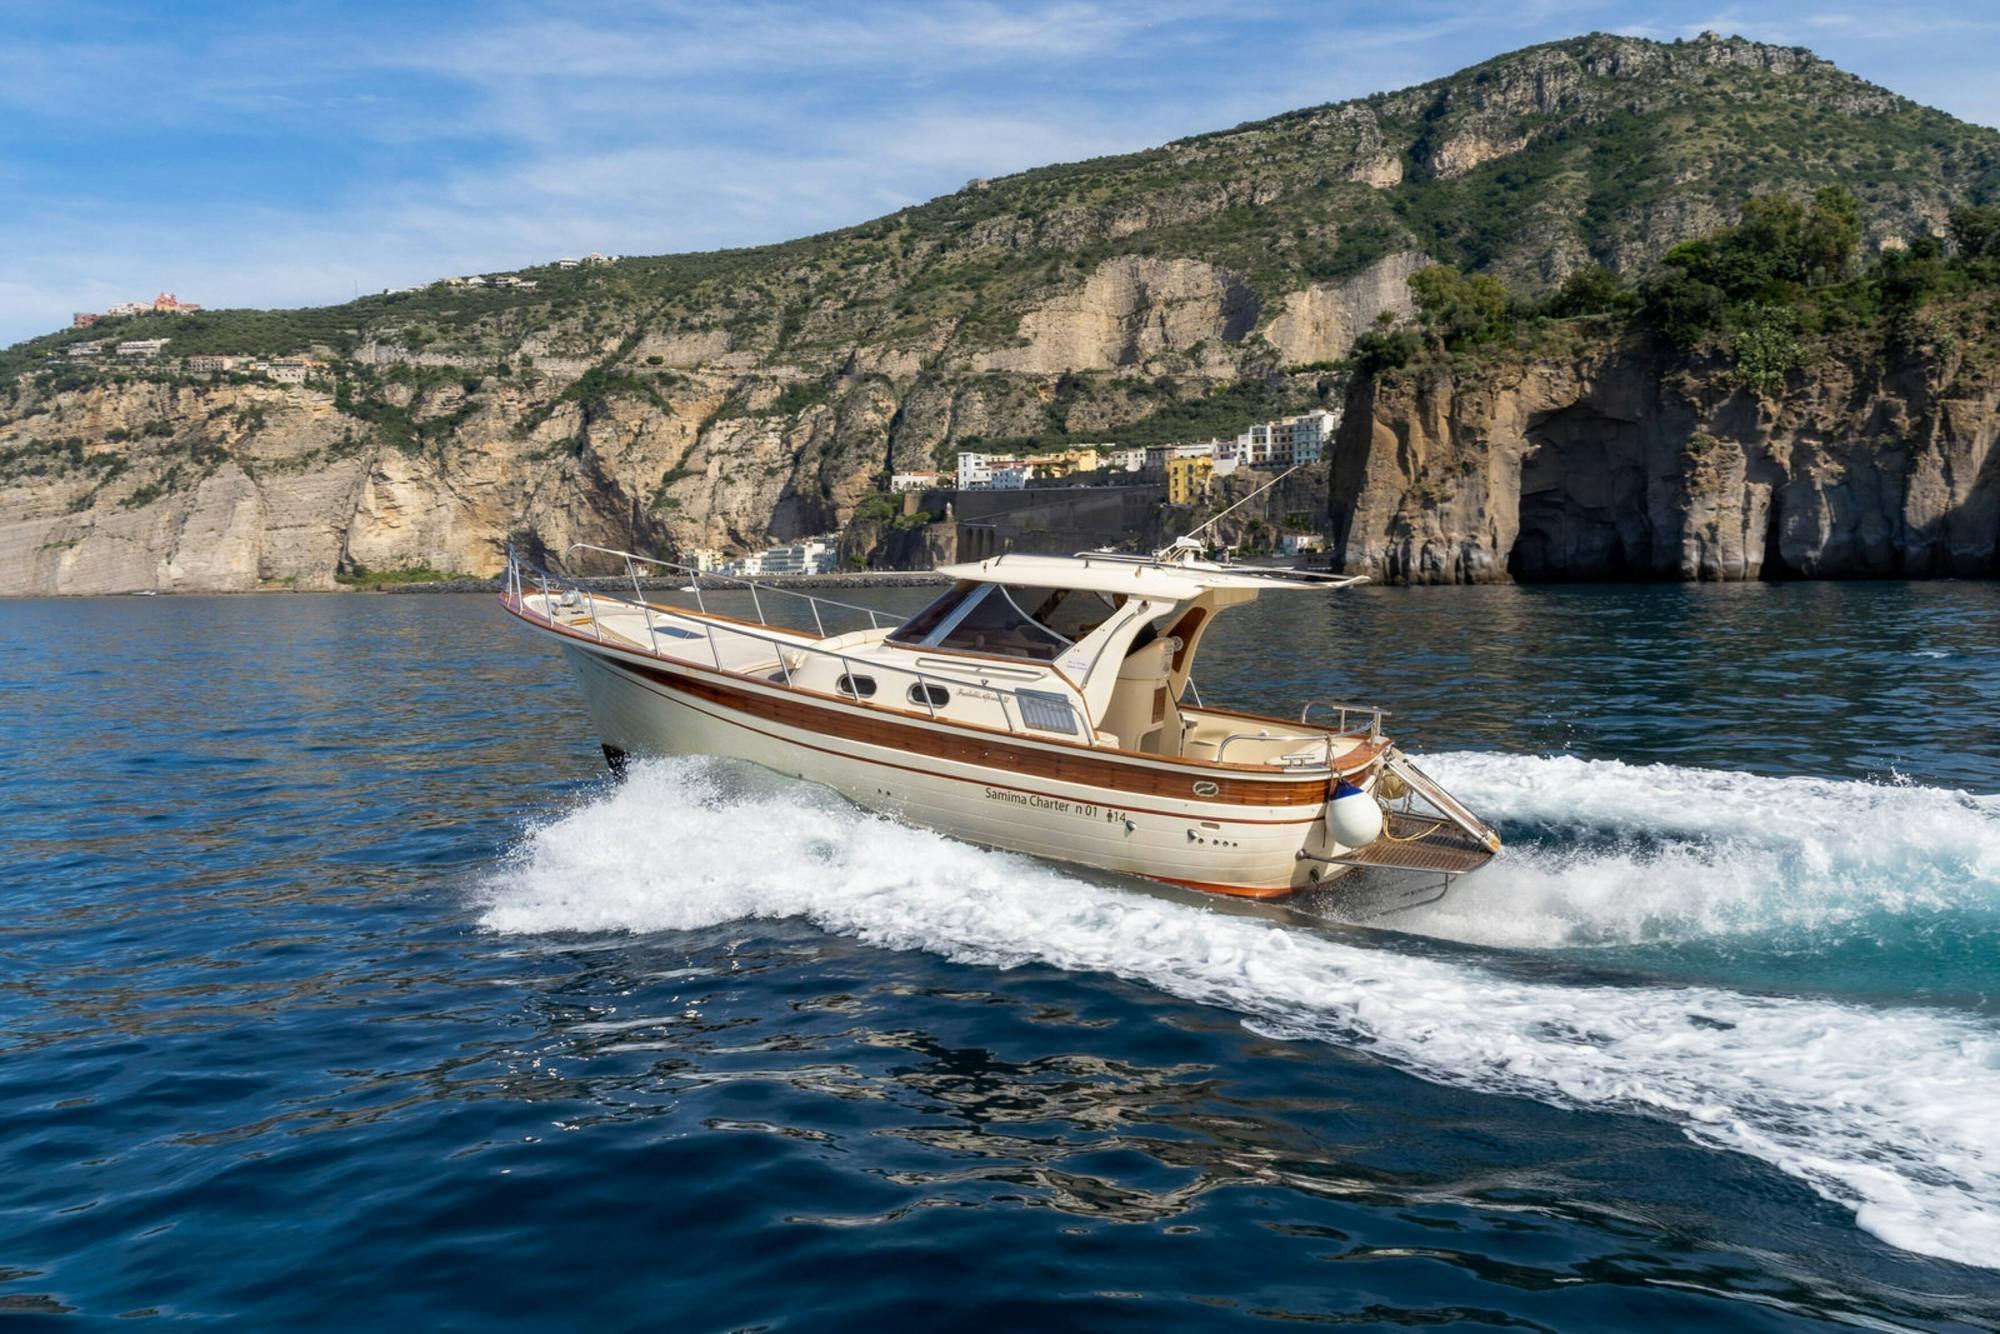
{"x": 1884, "y": 1110}
{"x": 1606, "y": 853}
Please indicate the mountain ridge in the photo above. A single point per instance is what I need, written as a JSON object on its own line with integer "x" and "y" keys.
{"x": 728, "y": 397}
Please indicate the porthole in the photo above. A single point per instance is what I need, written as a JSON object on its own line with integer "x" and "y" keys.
{"x": 1206, "y": 789}
{"x": 859, "y": 687}
{"x": 935, "y": 697}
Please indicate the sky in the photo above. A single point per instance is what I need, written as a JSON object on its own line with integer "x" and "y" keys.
{"x": 285, "y": 153}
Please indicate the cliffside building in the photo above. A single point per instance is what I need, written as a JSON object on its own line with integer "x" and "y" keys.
{"x": 1289, "y": 440}
{"x": 1188, "y": 479}
{"x": 815, "y": 555}
{"x": 1008, "y": 472}
{"x": 975, "y": 471}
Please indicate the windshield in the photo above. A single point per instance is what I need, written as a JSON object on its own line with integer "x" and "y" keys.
{"x": 1034, "y": 623}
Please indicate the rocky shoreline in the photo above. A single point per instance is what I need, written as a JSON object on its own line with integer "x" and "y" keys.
{"x": 612, "y": 583}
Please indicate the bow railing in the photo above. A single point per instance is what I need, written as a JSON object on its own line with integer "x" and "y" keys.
{"x": 1024, "y": 710}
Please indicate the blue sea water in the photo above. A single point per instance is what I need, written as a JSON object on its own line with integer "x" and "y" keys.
{"x": 338, "y": 985}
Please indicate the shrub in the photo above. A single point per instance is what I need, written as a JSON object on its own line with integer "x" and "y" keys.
{"x": 1460, "y": 311}
{"x": 1768, "y": 349}
{"x": 1975, "y": 232}
{"x": 1386, "y": 350}
{"x": 1592, "y": 290}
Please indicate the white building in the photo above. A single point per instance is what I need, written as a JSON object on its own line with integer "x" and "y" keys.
{"x": 291, "y": 370}
{"x": 975, "y": 472}
{"x": 86, "y": 349}
{"x": 1012, "y": 477}
{"x": 1289, "y": 440}
{"x": 129, "y": 308}
{"x": 919, "y": 480}
{"x": 142, "y": 347}
{"x": 568, "y": 263}
{"x": 1130, "y": 459}
{"x": 1298, "y": 544}
{"x": 815, "y": 555}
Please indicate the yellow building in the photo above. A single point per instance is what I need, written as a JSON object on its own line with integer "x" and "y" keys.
{"x": 1061, "y": 464}
{"x": 1187, "y": 480}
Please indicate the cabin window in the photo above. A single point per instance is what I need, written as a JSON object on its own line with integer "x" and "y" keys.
{"x": 1012, "y": 622}
{"x": 1076, "y": 613}
{"x": 935, "y": 697}
{"x": 919, "y": 628}
{"x": 1046, "y": 711}
{"x": 859, "y": 687}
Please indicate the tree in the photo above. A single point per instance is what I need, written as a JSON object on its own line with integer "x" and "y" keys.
{"x": 1459, "y": 311}
{"x": 1683, "y": 306}
{"x": 1773, "y": 228}
{"x": 1831, "y": 234}
{"x": 1975, "y": 232}
{"x": 1591, "y": 290}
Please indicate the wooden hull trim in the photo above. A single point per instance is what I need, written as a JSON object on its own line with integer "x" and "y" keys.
{"x": 665, "y": 691}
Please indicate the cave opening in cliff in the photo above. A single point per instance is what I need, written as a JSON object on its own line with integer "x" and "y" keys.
{"x": 1585, "y": 510}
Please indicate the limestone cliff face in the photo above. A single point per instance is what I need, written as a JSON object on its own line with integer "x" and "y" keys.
{"x": 1128, "y": 312}
{"x": 1628, "y": 462}
{"x": 708, "y": 439}
{"x": 1321, "y": 322}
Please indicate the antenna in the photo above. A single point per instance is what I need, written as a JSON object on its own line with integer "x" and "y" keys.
{"x": 1187, "y": 539}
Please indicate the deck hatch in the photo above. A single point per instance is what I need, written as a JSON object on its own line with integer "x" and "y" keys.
{"x": 1046, "y": 711}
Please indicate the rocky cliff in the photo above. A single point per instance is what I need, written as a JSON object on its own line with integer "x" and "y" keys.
{"x": 1628, "y": 459}
{"x": 726, "y": 399}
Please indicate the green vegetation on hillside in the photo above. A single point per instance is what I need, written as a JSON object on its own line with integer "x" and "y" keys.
{"x": 1610, "y": 146}
{"x": 360, "y": 576}
{"x": 1222, "y": 411}
{"x": 1767, "y": 294}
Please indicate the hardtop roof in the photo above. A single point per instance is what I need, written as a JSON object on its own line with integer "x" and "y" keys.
{"x": 1135, "y": 577}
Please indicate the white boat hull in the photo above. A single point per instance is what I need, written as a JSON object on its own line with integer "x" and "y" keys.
{"x": 642, "y": 708}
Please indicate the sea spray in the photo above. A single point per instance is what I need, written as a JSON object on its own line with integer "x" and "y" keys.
{"x": 1884, "y": 1110}
{"x": 1606, "y": 853}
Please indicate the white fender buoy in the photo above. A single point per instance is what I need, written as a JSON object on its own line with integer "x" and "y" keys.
{"x": 1353, "y": 817}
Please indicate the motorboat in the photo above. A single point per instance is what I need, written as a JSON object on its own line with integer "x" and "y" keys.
{"x": 1040, "y": 704}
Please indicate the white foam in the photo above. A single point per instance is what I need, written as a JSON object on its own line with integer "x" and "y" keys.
{"x": 1647, "y": 853}
{"x": 1889, "y": 1112}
